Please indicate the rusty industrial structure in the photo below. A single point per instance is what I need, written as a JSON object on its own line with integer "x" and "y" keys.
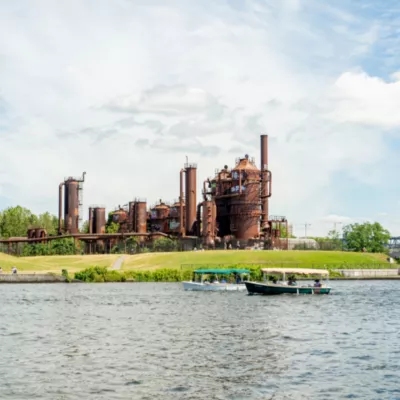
{"x": 72, "y": 204}
{"x": 234, "y": 208}
{"x": 97, "y": 220}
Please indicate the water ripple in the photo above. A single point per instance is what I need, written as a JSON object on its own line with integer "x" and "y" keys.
{"x": 147, "y": 341}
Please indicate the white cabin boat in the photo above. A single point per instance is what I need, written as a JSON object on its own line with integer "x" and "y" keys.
{"x": 221, "y": 282}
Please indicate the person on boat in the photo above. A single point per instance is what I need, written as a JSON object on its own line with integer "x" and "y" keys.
{"x": 223, "y": 280}
{"x": 292, "y": 281}
{"x": 274, "y": 281}
{"x": 317, "y": 283}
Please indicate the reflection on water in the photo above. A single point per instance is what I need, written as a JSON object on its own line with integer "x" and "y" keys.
{"x": 147, "y": 341}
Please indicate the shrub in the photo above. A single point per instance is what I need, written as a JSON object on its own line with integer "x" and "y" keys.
{"x": 64, "y": 272}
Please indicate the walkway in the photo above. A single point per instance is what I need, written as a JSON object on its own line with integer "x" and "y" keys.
{"x": 118, "y": 263}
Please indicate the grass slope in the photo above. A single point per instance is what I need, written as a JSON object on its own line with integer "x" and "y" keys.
{"x": 151, "y": 261}
{"x": 55, "y": 263}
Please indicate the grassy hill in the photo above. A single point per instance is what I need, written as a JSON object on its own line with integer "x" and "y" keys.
{"x": 55, "y": 263}
{"x": 152, "y": 261}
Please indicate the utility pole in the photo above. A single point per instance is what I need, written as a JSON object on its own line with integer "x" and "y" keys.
{"x": 341, "y": 235}
{"x": 335, "y": 223}
{"x": 305, "y": 229}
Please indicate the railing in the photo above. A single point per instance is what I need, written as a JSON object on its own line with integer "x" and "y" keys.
{"x": 286, "y": 264}
{"x": 190, "y": 165}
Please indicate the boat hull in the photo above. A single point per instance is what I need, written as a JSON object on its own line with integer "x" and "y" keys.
{"x": 213, "y": 287}
{"x": 269, "y": 289}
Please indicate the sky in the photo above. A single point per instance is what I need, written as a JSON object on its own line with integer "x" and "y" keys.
{"x": 127, "y": 90}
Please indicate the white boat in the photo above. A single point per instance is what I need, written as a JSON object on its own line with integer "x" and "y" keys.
{"x": 201, "y": 283}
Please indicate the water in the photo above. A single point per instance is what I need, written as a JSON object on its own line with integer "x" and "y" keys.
{"x": 155, "y": 341}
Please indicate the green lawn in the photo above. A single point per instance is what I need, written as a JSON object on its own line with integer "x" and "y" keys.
{"x": 55, "y": 263}
{"x": 152, "y": 261}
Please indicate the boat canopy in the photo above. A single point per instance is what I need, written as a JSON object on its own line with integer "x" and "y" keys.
{"x": 222, "y": 271}
{"x": 297, "y": 271}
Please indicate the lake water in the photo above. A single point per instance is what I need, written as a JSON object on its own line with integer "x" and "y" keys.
{"x": 155, "y": 341}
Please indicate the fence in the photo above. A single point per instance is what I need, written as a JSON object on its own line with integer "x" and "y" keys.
{"x": 369, "y": 273}
{"x": 289, "y": 264}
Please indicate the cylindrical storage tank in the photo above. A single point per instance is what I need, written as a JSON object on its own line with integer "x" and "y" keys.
{"x": 159, "y": 218}
{"x": 191, "y": 198}
{"x": 71, "y": 206}
{"x": 119, "y": 216}
{"x": 99, "y": 220}
{"x": 209, "y": 222}
{"x": 141, "y": 217}
{"x": 90, "y": 220}
{"x": 245, "y": 207}
{"x": 175, "y": 217}
{"x": 162, "y": 211}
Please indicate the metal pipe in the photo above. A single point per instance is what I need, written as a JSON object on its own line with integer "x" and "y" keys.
{"x": 198, "y": 218}
{"x": 181, "y": 227}
{"x": 224, "y": 196}
{"x": 205, "y": 190}
{"x": 269, "y": 184}
{"x": 90, "y": 220}
{"x": 265, "y": 182}
{"x": 60, "y": 208}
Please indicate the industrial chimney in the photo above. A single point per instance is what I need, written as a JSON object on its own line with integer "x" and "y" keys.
{"x": 191, "y": 196}
{"x": 265, "y": 183}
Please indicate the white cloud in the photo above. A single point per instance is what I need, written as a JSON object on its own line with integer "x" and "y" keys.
{"x": 364, "y": 99}
{"x": 126, "y": 90}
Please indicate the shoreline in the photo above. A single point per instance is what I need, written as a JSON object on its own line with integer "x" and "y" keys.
{"x": 53, "y": 278}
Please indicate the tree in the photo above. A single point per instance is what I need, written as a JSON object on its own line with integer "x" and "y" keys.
{"x": 371, "y": 237}
{"x": 85, "y": 227}
{"x": 331, "y": 242}
{"x": 15, "y": 221}
{"x": 112, "y": 228}
{"x": 48, "y": 222}
{"x": 284, "y": 233}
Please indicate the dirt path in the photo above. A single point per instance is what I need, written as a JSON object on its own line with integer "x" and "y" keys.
{"x": 117, "y": 264}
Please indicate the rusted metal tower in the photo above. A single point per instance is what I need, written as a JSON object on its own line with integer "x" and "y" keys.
{"x": 138, "y": 215}
{"x": 97, "y": 220}
{"x": 73, "y": 188}
{"x": 266, "y": 185}
{"x": 191, "y": 196}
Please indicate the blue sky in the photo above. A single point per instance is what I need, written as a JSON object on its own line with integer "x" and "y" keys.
{"x": 125, "y": 90}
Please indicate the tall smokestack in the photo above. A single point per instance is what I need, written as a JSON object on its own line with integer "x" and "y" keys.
{"x": 264, "y": 182}
{"x": 191, "y": 201}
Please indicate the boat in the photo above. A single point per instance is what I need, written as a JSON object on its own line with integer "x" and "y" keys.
{"x": 274, "y": 287}
{"x": 201, "y": 282}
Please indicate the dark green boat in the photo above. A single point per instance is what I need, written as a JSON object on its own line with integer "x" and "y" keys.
{"x": 275, "y": 287}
